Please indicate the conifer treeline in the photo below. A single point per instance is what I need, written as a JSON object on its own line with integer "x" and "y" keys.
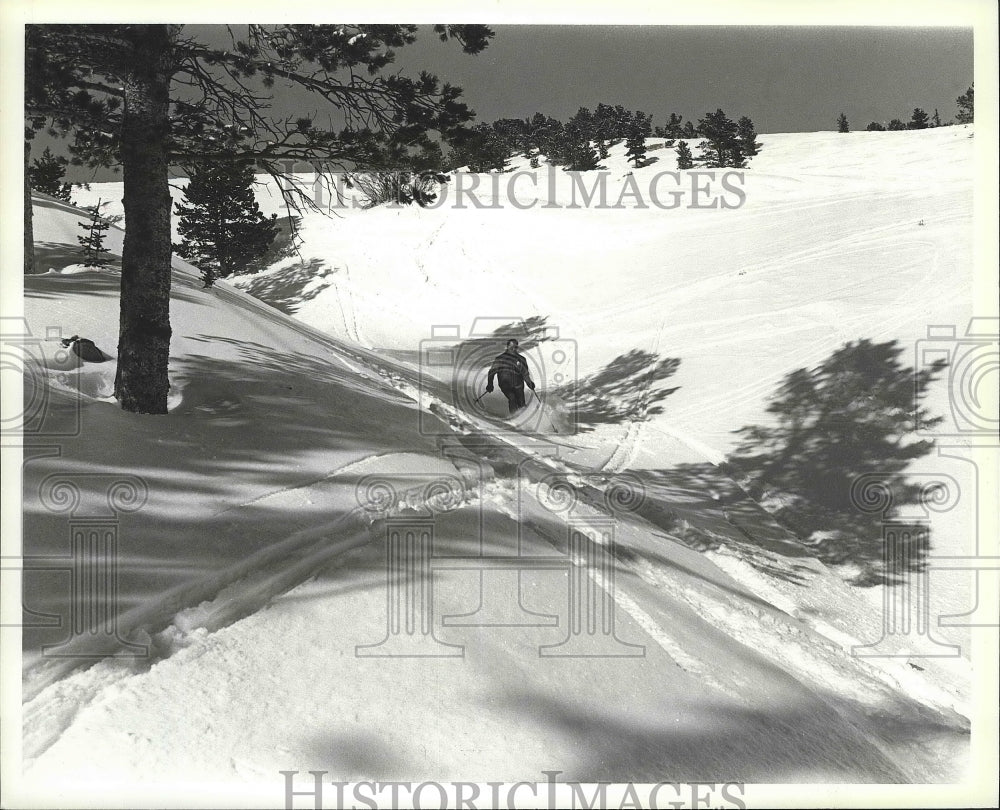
{"x": 919, "y": 119}
{"x": 582, "y": 142}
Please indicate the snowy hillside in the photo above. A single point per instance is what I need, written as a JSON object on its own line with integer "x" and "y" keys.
{"x": 315, "y": 431}
{"x": 839, "y": 237}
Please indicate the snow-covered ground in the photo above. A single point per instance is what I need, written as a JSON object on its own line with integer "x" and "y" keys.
{"x": 312, "y": 439}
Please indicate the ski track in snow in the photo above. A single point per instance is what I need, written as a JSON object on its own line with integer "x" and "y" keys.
{"x": 55, "y": 695}
{"x": 424, "y": 249}
{"x": 817, "y": 347}
{"x": 624, "y": 453}
{"x": 345, "y": 303}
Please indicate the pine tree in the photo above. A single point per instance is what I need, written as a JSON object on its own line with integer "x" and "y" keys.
{"x": 635, "y": 143}
{"x": 552, "y": 142}
{"x": 936, "y": 120}
{"x": 675, "y": 126}
{"x": 542, "y": 132}
{"x": 584, "y": 123}
{"x": 512, "y": 133}
{"x": 748, "y": 137}
{"x": 220, "y": 224}
{"x": 46, "y": 175}
{"x": 148, "y": 96}
{"x": 684, "y": 158}
{"x": 607, "y": 126}
{"x": 737, "y": 160}
{"x": 918, "y": 120}
{"x": 94, "y": 252}
{"x": 966, "y": 107}
{"x": 582, "y": 157}
{"x": 722, "y": 146}
{"x": 635, "y": 149}
{"x": 482, "y": 149}
{"x": 875, "y": 126}
{"x": 29, "y": 230}
{"x": 895, "y": 125}
{"x": 575, "y": 150}
{"x": 842, "y": 125}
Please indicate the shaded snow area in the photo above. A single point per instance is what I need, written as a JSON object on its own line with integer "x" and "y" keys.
{"x": 335, "y": 554}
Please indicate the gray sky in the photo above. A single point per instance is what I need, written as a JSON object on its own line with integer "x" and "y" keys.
{"x": 787, "y": 79}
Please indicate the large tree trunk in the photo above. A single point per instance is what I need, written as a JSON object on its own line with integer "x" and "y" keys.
{"x": 141, "y": 385}
{"x": 29, "y": 234}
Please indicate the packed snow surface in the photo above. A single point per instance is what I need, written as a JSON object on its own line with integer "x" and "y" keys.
{"x": 323, "y": 410}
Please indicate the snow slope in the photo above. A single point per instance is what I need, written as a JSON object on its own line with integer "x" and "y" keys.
{"x": 840, "y": 237}
{"x": 251, "y": 568}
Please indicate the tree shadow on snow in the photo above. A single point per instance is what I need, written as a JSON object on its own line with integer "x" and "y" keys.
{"x": 856, "y": 413}
{"x": 105, "y": 283}
{"x": 647, "y": 161}
{"x": 591, "y": 735}
{"x": 529, "y": 332}
{"x": 286, "y": 244}
{"x": 286, "y": 290}
{"x": 722, "y": 741}
{"x": 489, "y": 336}
{"x": 251, "y": 425}
{"x": 627, "y": 389}
{"x": 704, "y": 508}
{"x": 57, "y": 255}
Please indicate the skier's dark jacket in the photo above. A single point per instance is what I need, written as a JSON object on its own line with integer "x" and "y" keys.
{"x": 511, "y": 371}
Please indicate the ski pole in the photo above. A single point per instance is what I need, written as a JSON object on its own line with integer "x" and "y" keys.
{"x": 476, "y": 400}
{"x": 542, "y": 404}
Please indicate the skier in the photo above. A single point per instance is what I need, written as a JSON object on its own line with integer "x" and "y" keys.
{"x": 511, "y": 371}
